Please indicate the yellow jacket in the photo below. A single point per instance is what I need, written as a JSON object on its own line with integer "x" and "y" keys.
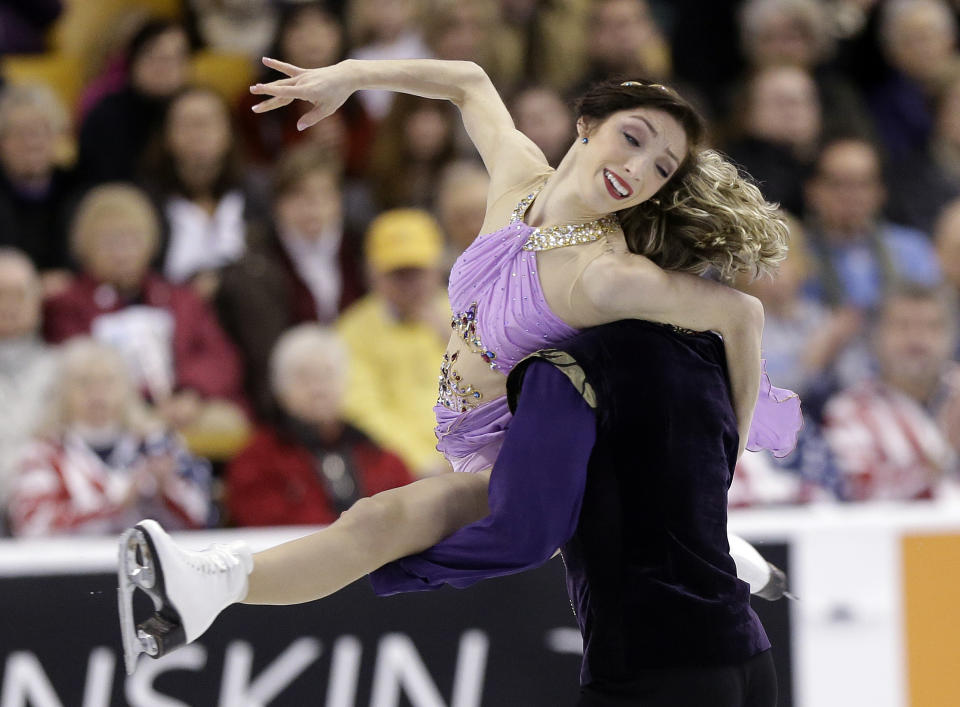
{"x": 392, "y": 389}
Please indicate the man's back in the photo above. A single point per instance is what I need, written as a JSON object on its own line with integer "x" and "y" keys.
{"x": 649, "y": 569}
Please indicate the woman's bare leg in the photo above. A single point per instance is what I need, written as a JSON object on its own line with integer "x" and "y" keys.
{"x": 391, "y": 525}
{"x": 373, "y": 532}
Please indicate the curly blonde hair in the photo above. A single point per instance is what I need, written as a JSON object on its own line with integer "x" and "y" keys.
{"x": 709, "y": 218}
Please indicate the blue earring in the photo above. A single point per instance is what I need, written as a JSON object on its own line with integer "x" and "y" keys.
{"x": 584, "y": 140}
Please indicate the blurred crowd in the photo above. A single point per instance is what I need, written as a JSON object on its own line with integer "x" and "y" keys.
{"x": 212, "y": 318}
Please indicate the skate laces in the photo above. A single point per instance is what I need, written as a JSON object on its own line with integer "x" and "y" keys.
{"x": 215, "y": 559}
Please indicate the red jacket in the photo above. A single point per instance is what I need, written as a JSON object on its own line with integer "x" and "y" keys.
{"x": 273, "y": 481}
{"x": 204, "y": 358}
{"x": 63, "y": 486}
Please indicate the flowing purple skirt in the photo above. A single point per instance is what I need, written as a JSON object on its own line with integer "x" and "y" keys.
{"x": 777, "y": 418}
{"x": 471, "y": 440}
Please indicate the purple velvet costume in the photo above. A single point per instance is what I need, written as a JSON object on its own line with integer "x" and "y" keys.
{"x": 495, "y": 287}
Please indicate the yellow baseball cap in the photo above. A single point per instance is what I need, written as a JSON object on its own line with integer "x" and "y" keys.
{"x": 404, "y": 238}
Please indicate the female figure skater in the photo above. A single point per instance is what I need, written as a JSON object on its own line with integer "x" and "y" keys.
{"x": 603, "y": 237}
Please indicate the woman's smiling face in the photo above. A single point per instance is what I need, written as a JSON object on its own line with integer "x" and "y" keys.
{"x": 628, "y": 157}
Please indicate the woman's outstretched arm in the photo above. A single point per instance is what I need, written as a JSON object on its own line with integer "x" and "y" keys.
{"x": 629, "y": 286}
{"x": 464, "y": 83}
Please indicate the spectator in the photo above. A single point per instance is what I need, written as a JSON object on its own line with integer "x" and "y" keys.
{"x": 703, "y": 37}
{"x": 759, "y": 481}
{"x": 393, "y": 388}
{"x": 814, "y": 351}
{"x": 928, "y": 180}
{"x": 858, "y": 54}
{"x": 858, "y": 254}
{"x": 544, "y": 116}
{"x": 311, "y": 465}
{"x": 305, "y": 269}
{"x": 779, "y": 132}
{"x": 784, "y": 33}
{"x": 625, "y": 39}
{"x": 946, "y": 234}
{"x": 116, "y": 131}
{"x": 236, "y": 27}
{"x": 468, "y": 31}
{"x": 798, "y": 33}
{"x": 198, "y": 180}
{"x": 919, "y": 38}
{"x": 23, "y": 25}
{"x": 26, "y": 364}
{"x": 169, "y": 337}
{"x": 895, "y": 436}
{"x": 802, "y": 339}
{"x": 36, "y": 196}
{"x": 414, "y": 143}
{"x": 308, "y": 35}
{"x": 102, "y": 463}
{"x": 461, "y": 206}
{"x": 547, "y": 39}
{"x": 385, "y": 29}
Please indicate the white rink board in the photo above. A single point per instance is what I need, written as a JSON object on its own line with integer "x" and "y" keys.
{"x": 847, "y": 629}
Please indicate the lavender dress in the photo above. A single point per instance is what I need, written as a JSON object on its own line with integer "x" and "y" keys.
{"x": 501, "y": 312}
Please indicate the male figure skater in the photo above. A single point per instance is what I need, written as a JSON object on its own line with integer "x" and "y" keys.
{"x": 645, "y": 408}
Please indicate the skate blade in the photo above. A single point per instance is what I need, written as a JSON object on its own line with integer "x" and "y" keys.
{"x": 135, "y": 569}
{"x": 139, "y": 568}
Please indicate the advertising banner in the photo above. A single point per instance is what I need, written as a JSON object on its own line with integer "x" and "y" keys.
{"x": 508, "y": 642}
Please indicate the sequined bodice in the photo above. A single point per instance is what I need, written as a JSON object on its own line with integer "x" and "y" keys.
{"x": 499, "y": 307}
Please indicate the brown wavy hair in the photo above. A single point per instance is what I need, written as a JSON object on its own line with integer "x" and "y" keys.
{"x": 709, "y": 216}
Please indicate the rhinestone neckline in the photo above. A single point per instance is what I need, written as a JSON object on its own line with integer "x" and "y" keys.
{"x": 560, "y": 235}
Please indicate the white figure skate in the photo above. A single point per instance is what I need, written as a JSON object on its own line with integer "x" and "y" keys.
{"x": 188, "y": 588}
{"x": 766, "y": 580}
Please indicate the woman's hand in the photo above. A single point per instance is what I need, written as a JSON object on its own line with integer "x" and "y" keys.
{"x": 508, "y": 154}
{"x": 327, "y": 88}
